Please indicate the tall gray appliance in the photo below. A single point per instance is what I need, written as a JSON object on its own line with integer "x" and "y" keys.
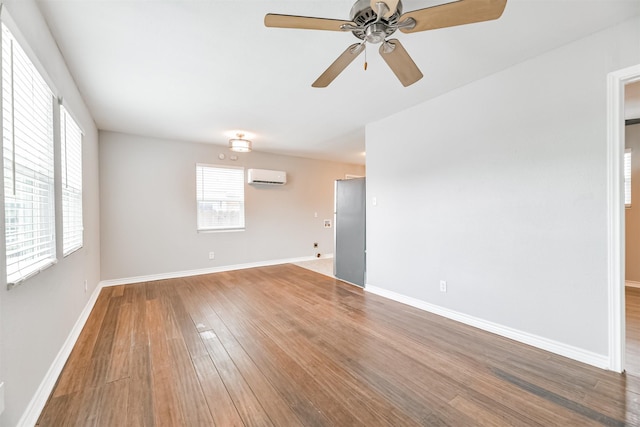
{"x": 349, "y": 222}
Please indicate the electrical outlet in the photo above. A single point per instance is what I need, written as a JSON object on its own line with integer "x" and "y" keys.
{"x": 443, "y": 286}
{"x": 315, "y": 245}
{"x": 212, "y": 255}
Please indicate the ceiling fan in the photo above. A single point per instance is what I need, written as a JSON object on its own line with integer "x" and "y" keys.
{"x": 373, "y": 21}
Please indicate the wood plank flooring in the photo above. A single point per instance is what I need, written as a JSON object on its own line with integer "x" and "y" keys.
{"x": 285, "y": 346}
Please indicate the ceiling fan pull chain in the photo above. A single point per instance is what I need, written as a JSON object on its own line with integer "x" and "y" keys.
{"x": 365, "y": 57}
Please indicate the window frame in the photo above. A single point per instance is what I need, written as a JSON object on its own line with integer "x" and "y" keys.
{"x": 200, "y": 198}
{"x": 628, "y": 172}
{"x": 38, "y": 163}
{"x": 71, "y": 183}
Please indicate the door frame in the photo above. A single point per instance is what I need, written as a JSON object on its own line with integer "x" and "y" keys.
{"x": 616, "y": 82}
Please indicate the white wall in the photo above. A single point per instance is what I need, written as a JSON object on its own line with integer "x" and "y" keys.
{"x": 499, "y": 188}
{"x": 632, "y": 214}
{"x": 37, "y": 316}
{"x": 148, "y": 208}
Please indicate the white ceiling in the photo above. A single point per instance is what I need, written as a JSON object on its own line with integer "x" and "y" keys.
{"x": 194, "y": 70}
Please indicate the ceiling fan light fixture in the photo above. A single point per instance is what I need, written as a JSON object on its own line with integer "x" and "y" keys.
{"x": 239, "y": 144}
{"x": 375, "y": 33}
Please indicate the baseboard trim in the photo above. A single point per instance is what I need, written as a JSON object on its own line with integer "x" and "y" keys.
{"x": 552, "y": 346}
{"x": 198, "y": 272}
{"x": 631, "y": 284}
{"x": 36, "y": 405}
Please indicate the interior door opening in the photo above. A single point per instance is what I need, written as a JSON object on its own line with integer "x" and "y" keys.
{"x": 632, "y": 227}
{"x": 616, "y": 83}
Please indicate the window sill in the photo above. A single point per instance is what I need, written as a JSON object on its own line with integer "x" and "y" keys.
{"x": 34, "y": 270}
{"x": 72, "y": 251}
{"x": 221, "y": 230}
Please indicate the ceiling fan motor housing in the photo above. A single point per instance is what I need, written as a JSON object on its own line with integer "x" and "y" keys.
{"x": 370, "y": 30}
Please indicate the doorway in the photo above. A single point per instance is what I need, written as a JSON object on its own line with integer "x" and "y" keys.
{"x": 616, "y": 82}
{"x": 632, "y": 227}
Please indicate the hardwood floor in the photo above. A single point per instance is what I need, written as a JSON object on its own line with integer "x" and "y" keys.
{"x": 285, "y": 346}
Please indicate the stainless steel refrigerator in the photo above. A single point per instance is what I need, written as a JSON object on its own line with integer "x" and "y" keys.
{"x": 349, "y": 222}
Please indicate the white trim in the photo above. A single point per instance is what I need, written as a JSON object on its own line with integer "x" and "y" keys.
{"x": 198, "y": 272}
{"x": 552, "y": 346}
{"x": 632, "y": 284}
{"x": 615, "y": 212}
{"x": 36, "y": 405}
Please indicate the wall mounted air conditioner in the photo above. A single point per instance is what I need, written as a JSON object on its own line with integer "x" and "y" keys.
{"x": 264, "y": 176}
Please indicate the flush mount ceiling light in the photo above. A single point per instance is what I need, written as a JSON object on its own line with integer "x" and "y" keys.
{"x": 240, "y": 144}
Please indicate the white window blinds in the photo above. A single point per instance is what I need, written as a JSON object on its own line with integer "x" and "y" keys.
{"x": 627, "y": 177}
{"x": 27, "y": 120}
{"x": 71, "y": 164}
{"x": 220, "y": 197}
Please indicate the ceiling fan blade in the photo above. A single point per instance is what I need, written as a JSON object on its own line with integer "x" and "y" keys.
{"x": 339, "y": 65}
{"x": 304, "y": 22}
{"x": 392, "y": 5}
{"x": 451, "y": 14}
{"x": 400, "y": 62}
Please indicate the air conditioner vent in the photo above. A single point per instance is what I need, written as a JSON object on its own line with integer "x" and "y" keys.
{"x": 267, "y": 177}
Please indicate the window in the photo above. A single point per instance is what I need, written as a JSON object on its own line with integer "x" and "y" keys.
{"x": 71, "y": 165}
{"x": 627, "y": 177}
{"x": 27, "y": 124}
{"x": 220, "y": 197}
